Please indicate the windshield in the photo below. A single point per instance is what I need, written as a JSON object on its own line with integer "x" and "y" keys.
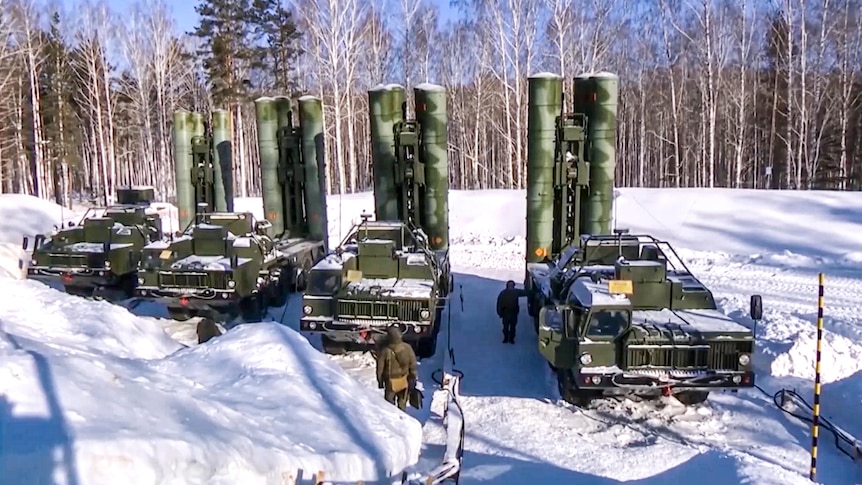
{"x": 607, "y": 323}
{"x": 324, "y": 282}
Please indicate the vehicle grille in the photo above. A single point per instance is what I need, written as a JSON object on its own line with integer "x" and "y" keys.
{"x": 400, "y": 310}
{"x": 67, "y": 260}
{"x": 725, "y": 355}
{"x": 714, "y": 356}
{"x": 188, "y": 279}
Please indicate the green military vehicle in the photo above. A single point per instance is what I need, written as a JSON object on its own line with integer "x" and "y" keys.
{"x": 383, "y": 273}
{"x": 395, "y": 269}
{"x": 99, "y": 255}
{"x": 615, "y": 313}
{"x": 224, "y": 265}
{"x": 227, "y": 263}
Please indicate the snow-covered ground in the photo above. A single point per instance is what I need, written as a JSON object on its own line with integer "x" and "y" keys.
{"x": 738, "y": 242}
{"x": 92, "y": 394}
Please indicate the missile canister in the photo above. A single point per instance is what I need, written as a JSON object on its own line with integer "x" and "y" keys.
{"x": 222, "y": 161}
{"x": 383, "y": 115}
{"x": 282, "y": 109}
{"x": 314, "y": 160}
{"x": 544, "y": 104}
{"x": 430, "y": 106}
{"x": 289, "y": 165}
{"x": 182, "y": 138}
{"x": 266, "y": 118}
{"x": 599, "y": 94}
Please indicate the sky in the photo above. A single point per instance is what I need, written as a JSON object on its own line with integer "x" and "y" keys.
{"x": 187, "y": 18}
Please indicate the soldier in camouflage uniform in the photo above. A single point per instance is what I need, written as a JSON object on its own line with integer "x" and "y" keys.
{"x": 508, "y": 309}
{"x": 396, "y": 368}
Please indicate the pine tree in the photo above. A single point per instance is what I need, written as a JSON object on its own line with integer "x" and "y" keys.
{"x": 274, "y": 27}
{"x": 228, "y": 48}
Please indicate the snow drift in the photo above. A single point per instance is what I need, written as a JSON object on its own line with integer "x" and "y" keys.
{"x": 25, "y": 215}
{"x": 124, "y": 403}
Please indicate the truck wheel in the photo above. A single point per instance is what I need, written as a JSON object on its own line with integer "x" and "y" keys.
{"x": 179, "y": 314}
{"x": 253, "y": 308}
{"x": 128, "y": 284}
{"x": 278, "y": 291}
{"x": 82, "y": 291}
{"x": 332, "y": 347}
{"x": 690, "y": 398}
{"x": 569, "y": 391}
{"x": 426, "y": 347}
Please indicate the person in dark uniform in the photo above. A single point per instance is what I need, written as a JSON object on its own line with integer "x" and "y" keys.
{"x": 508, "y": 309}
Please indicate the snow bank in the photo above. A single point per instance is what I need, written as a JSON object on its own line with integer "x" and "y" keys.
{"x": 115, "y": 400}
{"x": 25, "y": 215}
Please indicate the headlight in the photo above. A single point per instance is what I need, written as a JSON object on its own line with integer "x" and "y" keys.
{"x": 424, "y": 314}
{"x": 107, "y": 265}
{"x": 307, "y": 309}
{"x": 141, "y": 281}
{"x": 231, "y": 283}
{"x": 586, "y": 359}
{"x": 744, "y": 359}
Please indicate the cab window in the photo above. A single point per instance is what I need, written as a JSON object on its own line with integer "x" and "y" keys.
{"x": 324, "y": 282}
{"x": 607, "y": 323}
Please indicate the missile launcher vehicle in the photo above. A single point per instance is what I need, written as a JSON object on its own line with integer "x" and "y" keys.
{"x": 616, "y": 313}
{"x": 227, "y": 263}
{"x": 99, "y": 256}
{"x": 393, "y": 270}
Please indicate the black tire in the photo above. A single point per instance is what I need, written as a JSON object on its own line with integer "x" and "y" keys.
{"x": 332, "y": 347}
{"x": 278, "y": 292}
{"x": 570, "y": 393}
{"x": 128, "y": 284}
{"x": 179, "y": 314}
{"x": 426, "y": 347}
{"x": 82, "y": 291}
{"x": 253, "y": 308}
{"x": 691, "y": 398}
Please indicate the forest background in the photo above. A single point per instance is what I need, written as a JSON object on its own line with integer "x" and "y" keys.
{"x": 713, "y": 93}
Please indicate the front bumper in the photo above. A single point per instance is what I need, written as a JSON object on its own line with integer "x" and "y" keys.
{"x": 193, "y": 299}
{"x": 363, "y": 331}
{"x": 657, "y": 379}
{"x": 76, "y": 277}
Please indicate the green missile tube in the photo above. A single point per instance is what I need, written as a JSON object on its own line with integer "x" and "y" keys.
{"x": 182, "y": 140}
{"x": 198, "y": 124}
{"x": 222, "y": 160}
{"x": 543, "y": 106}
{"x": 314, "y": 160}
{"x": 266, "y": 118}
{"x": 430, "y": 107}
{"x": 382, "y": 119}
{"x": 282, "y": 109}
{"x": 600, "y": 100}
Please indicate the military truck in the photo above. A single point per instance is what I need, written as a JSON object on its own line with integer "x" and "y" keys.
{"x": 615, "y": 313}
{"x": 99, "y": 255}
{"x": 393, "y": 270}
{"x": 224, "y": 265}
{"x": 227, "y": 263}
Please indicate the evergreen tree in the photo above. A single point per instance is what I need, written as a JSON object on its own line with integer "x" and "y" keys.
{"x": 274, "y": 27}
{"x": 228, "y": 48}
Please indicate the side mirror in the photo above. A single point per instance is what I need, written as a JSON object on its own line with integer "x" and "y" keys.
{"x": 756, "y": 308}
{"x": 26, "y": 243}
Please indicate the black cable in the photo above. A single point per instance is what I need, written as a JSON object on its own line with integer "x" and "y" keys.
{"x": 824, "y": 422}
